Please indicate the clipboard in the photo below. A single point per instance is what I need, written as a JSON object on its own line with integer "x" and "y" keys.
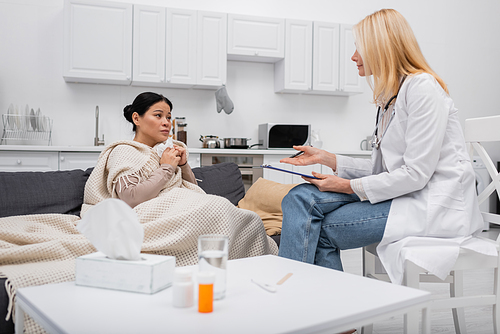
{"x": 289, "y": 171}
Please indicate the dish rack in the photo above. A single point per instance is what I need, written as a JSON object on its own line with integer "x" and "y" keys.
{"x": 26, "y": 128}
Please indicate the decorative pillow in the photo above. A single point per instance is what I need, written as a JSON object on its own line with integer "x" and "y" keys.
{"x": 222, "y": 179}
{"x": 264, "y": 198}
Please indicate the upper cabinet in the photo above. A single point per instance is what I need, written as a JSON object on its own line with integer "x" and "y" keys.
{"x": 293, "y": 73}
{"x": 116, "y": 43}
{"x": 97, "y": 42}
{"x": 119, "y": 43}
{"x": 350, "y": 81}
{"x": 179, "y": 48}
{"x": 149, "y": 45}
{"x": 164, "y": 47}
{"x": 258, "y": 39}
{"x": 211, "y": 64}
{"x": 331, "y": 72}
{"x": 326, "y": 57}
{"x": 180, "y": 58}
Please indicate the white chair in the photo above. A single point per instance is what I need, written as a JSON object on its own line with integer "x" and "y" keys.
{"x": 477, "y": 131}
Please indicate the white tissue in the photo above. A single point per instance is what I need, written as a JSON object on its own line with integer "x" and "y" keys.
{"x": 162, "y": 146}
{"x": 114, "y": 229}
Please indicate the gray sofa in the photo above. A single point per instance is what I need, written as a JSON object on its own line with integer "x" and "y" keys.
{"x": 26, "y": 193}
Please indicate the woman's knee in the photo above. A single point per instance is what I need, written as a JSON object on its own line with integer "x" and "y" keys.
{"x": 299, "y": 193}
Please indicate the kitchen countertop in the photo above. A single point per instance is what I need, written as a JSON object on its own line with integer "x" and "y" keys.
{"x": 194, "y": 150}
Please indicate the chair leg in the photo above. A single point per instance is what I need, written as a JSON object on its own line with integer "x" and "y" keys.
{"x": 368, "y": 263}
{"x": 457, "y": 290}
{"x": 368, "y": 329}
{"x": 411, "y": 279}
{"x": 496, "y": 306}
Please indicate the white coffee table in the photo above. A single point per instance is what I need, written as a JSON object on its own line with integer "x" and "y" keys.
{"x": 312, "y": 300}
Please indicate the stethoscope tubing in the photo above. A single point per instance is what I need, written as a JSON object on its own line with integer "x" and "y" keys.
{"x": 375, "y": 140}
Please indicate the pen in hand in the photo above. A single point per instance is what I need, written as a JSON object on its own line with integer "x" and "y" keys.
{"x": 298, "y": 154}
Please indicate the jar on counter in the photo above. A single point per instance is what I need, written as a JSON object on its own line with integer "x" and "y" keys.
{"x": 180, "y": 129}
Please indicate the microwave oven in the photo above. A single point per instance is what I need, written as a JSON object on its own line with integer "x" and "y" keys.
{"x": 282, "y": 136}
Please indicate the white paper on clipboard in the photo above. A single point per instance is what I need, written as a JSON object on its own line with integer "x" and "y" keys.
{"x": 288, "y": 171}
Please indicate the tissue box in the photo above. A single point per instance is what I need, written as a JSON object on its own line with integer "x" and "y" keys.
{"x": 149, "y": 275}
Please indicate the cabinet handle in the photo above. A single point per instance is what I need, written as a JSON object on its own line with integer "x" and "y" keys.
{"x": 168, "y": 80}
{"x": 19, "y": 161}
{"x": 62, "y": 158}
{"x": 256, "y": 53}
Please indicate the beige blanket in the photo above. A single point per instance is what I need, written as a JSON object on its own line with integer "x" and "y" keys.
{"x": 41, "y": 249}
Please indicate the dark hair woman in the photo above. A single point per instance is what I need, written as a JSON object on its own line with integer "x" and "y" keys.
{"x": 151, "y": 174}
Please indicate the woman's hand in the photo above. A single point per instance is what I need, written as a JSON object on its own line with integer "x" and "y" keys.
{"x": 170, "y": 156}
{"x": 181, "y": 151}
{"x": 331, "y": 183}
{"x": 312, "y": 156}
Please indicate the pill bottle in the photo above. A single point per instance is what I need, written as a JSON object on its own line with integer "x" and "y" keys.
{"x": 206, "y": 281}
{"x": 182, "y": 288}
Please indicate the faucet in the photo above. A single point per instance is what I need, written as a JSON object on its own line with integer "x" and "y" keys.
{"x": 97, "y": 141}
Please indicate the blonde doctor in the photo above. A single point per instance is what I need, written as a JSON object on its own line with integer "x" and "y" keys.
{"x": 417, "y": 189}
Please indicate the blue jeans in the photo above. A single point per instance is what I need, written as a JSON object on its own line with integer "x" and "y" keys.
{"x": 317, "y": 225}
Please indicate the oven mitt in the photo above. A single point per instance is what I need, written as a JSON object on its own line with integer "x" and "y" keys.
{"x": 223, "y": 101}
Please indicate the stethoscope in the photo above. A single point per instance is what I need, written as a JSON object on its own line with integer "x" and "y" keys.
{"x": 376, "y": 141}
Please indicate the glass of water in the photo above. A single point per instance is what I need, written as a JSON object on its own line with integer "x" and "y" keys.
{"x": 212, "y": 256}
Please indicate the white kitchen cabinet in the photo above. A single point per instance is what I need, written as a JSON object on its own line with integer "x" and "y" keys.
{"x": 189, "y": 44}
{"x": 17, "y": 161}
{"x": 148, "y": 67}
{"x": 180, "y": 56}
{"x": 293, "y": 73}
{"x": 211, "y": 56}
{"x": 258, "y": 39}
{"x": 77, "y": 160}
{"x": 97, "y": 42}
{"x": 334, "y": 73}
{"x": 326, "y": 57}
{"x": 331, "y": 72}
{"x": 350, "y": 81}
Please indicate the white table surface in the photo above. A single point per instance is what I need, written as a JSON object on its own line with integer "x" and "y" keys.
{"x": 312, "y": 300}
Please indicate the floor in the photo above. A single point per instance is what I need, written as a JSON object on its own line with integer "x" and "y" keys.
{"x": 478, "y": 319}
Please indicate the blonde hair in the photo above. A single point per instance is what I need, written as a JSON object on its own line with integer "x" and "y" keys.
{"x": 389, "y": 51}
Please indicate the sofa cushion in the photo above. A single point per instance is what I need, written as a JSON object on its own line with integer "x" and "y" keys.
{"x": 26, "y": 193}
{"x": 264, "y": 198}
{"x": 222, "y": 179}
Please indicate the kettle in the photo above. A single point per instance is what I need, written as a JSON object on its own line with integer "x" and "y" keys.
{"x": 210, "y": 141}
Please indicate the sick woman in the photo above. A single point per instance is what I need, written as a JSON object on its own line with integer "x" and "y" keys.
{"x": 152, "y": 175}
{"x": 418, "y": 188}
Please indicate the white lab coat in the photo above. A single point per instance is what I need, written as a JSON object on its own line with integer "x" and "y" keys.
{"x": 430, "y": 179}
